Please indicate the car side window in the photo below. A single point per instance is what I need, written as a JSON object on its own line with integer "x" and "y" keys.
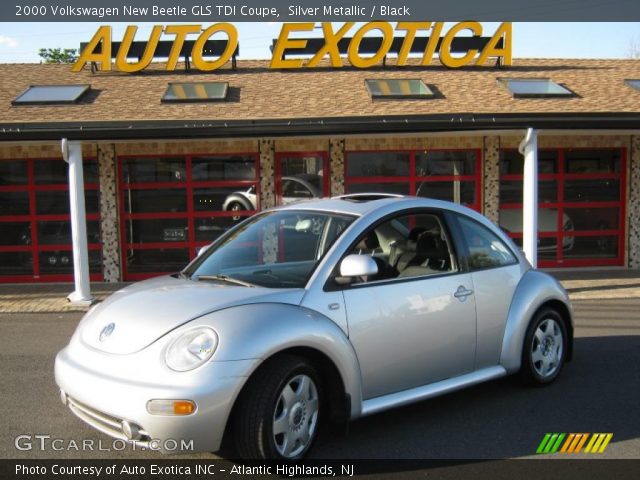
{"x": 410, "y": 245}
{"x": 486, "y": 250}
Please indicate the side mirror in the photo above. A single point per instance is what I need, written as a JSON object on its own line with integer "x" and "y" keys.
{"x": 353, "y": 266}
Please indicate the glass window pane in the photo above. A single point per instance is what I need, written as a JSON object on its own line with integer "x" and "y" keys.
{"x": 153, "y": 170}
{"x": 164, "y": 200}
{"x": 52, "y": 94}
{"x": 524, "y": 87}
{"x": 14, "y": 203}
{"x": 592, "y": 161}
{"x": 56, "y": 202}
{"x": 59, "y": 233}
{"x": 56, "y": 262}
{"x": 60, "y": 262}
{"x": 445, "y": 163}
{"x": 397, "y": 188}
{"x": 54, "y": 172}
{"x": 217, "y": 199}
{"x": 13, "y": 172}
{"x": 486, "y": 250}
{"x": 459, "y": 192}
{"x": 592, "y": 247}
{"x": 593, "y": 218}
{"x": 208, "y": 229}
{"x": 633, "y": 84}
{"x": 377, "y": 164}
{"x": 16, "y": 263}
{"x": 511, "y": 220}
{"x": 512, "y": 163}
{"x": 511, "y": 191}
{"x": 223, "y": 168}
{"x": 15, "y": 233}
{"x": 302, "y": 165}
{"x": 90, "y": 171}
{"x": 592, "y": 190}
{"x": 301, "y": 177}
{"x": 155, "y": 261}
{"x": 400, "y": 88}
{"x": 195, "y": 92}
{"x": 157, "y": 230}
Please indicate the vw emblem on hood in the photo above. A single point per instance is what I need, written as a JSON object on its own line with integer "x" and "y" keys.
{"x": 106, "y": 331}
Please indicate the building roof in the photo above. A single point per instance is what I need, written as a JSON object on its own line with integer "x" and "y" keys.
{"x": 258, "y": 94}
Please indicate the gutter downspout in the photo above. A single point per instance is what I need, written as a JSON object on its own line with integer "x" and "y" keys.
{"x": 72, "y": 154}
{"x": 529, "y": 149}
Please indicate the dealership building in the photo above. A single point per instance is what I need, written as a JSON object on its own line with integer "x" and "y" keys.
{"x": 172, "y": 159}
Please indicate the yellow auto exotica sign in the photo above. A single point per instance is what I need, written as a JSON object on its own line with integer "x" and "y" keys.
{"x": 98, "y": 50}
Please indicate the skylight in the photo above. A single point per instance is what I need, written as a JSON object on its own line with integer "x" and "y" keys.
{"x": 633, "y": 84}
{"x": 196, "y": 92}
{"x": 400, "y": 88}
{"x": 51, "y": 94}
{"x": 535, "y": 88}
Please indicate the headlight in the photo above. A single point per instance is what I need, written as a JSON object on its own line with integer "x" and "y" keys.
{"x": 191, "y": 349}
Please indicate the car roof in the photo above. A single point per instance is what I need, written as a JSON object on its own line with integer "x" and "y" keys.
{"x": 365, "y": 203}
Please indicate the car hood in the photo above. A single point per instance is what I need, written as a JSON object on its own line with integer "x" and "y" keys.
{"x": 145, "y": 311}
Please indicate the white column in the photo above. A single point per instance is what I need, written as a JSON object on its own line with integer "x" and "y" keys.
{"x": 72, "y": 154}
{"x": 529, "y": 149}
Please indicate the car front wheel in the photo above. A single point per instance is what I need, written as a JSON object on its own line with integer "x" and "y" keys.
{"x": 278, "y": 412}
{"x": 236, "y": 207}
{"x": 545, "y": 348}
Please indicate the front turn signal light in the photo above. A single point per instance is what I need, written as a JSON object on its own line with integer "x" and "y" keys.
{"x": 171, "y": 407}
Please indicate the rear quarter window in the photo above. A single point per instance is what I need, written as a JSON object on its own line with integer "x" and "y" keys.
{"x": 485, "y": 249}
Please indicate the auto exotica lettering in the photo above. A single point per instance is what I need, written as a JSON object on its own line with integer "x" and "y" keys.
{"x": 439, "y": 43}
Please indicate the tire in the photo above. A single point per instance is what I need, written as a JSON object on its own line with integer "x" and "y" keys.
{"x": 236, "y": 207}
{"x": 279, "y": 411}
{"x": 545, "y": 348}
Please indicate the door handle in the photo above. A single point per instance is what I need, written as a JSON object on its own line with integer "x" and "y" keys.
{"x": 462, "y": 293}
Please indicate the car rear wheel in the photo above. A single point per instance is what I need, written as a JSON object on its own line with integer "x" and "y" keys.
{"x": 278, "y": 412}
{"x": 545, "y": 348}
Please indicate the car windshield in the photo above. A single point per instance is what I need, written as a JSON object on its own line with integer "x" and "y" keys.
{"x": 277, "y": 249}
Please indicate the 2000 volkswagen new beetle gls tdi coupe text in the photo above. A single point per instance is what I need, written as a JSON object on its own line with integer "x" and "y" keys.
{"x": 314, "y": 313}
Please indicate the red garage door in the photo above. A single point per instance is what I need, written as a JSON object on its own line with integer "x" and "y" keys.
{"x": 172, "y": 205}
{"x": 35, "y": 244}
{"x": 301, "y": 176}
{"x": 581, "y": 214}
{"x": 452, "y": 175}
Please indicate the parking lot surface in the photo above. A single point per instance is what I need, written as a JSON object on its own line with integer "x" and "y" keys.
{"x": 597, "y": 392}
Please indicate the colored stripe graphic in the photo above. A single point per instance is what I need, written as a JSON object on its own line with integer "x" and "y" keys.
{"x": 584, "y": 439}
{"x": 567, "y": 444}
{"x": 574, "y": 442}
{"x": 550, "y": 443}
{"x": 543, "y": 443}
{"x": 598, "y": 442}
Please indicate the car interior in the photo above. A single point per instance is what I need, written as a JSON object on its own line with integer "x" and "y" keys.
{"x": 408, "y": 246}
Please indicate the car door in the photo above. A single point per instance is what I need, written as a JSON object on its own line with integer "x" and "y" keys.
{"x": 417, "y": 323}
{"x": 495, "y": 272}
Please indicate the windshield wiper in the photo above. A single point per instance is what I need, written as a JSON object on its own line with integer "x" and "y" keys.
{"x": 225, "y": 278}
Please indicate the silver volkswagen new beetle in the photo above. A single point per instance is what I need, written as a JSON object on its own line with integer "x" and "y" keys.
{"x": 315, "y": 313}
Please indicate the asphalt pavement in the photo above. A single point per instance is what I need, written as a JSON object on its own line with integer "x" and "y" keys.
{"x": 597, "y": 392}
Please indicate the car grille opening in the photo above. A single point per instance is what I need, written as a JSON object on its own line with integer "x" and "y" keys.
{"x": 107, "y": 424}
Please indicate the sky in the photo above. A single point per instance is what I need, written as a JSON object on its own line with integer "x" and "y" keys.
{"x": 20, "y": 42}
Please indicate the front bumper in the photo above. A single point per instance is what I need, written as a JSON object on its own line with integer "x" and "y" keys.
{"x": 104, "y": 390}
